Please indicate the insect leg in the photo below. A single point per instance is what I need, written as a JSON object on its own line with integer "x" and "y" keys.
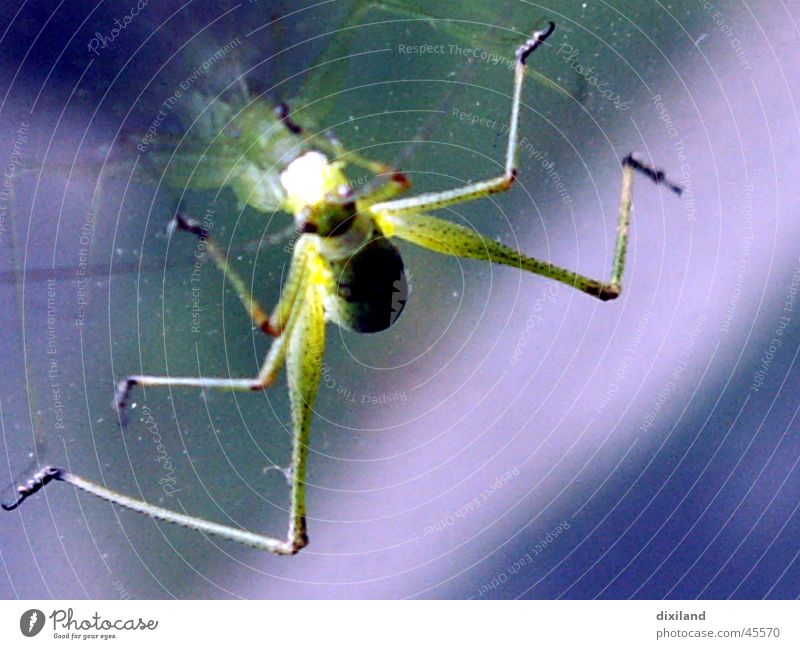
{"x": 434, "y": 200}
{"x": 266, "y": 377}
{"x": 254, "y": 309}
{"x": 291, "y": 288}
{"x": 282, "y": 111}
{"x": 304, "y": 354}
{"x": 629, "y": 165}
{"x": 285, "y": 314}
{"x": 305, "y": 341}
{"x": 459, "y": 241}
{"x": 50, "y": 473}
{"x": 333, "y": 146}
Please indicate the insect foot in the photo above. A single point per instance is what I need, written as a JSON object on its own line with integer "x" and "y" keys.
{"x": 33, "y": 485}
{"x": 535, "y": 41}
{"x": 180, "y": 222}
{"x": 656, "y": 175}
{"x": 120, "y": 402}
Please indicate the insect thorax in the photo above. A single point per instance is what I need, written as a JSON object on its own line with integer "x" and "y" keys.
{"x": 371, "y": 286}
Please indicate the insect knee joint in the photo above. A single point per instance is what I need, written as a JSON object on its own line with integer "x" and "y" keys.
{"x": 609, "y": 292}
{"x": 262, "y": 383}
{"x": 180, "y": 222}
{"x": 123, "y": 390}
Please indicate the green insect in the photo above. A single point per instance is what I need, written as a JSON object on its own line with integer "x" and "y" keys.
{"x": 345, "y": 269}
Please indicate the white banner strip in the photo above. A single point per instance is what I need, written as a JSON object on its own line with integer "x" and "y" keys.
{"x": 372, "y": 624}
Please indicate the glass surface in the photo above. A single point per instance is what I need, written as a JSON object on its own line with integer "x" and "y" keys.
{"x": 508, "y": 437}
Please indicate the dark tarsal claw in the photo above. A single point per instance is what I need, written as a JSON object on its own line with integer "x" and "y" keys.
{"x": 33, "y": 485}
{"x": 180, "y": 222}
{"x": 121, "y": 398}
{"x": 283, "y": 114}
{"x": 535, "y": 41}
{"x": 656, "y": 175}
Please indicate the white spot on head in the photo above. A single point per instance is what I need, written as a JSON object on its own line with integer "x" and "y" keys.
{"x": 305, "y": 179}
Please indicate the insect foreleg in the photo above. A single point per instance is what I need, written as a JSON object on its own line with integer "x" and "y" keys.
{"x": 302, "y": 345}
{"x": 434, "y": 200}
{"x": 254, "y": 309}
{"x": 266, "y": 377}
{"x": 291, "y": 287}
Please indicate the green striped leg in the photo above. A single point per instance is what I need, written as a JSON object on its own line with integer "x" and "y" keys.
{"x": 275, "y": 325}
{"x": 303, "y": 342}
{"x": 251, "y": 304}
{"x": 456, "y": 240}
{"x": 435, "y": 200}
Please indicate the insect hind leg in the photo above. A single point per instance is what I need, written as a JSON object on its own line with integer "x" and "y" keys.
{"x": 456, "y": 240}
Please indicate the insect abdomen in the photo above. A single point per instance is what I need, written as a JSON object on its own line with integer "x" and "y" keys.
{"x": 371, "y": 287}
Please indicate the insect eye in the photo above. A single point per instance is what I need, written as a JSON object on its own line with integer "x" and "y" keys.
{"x": 345, "y": 191}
